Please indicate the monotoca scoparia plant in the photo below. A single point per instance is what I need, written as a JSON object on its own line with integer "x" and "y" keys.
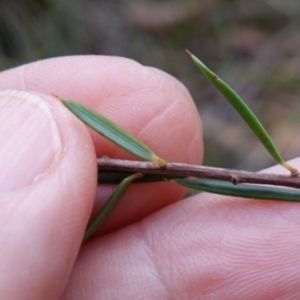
{"x": 214, "y": 180}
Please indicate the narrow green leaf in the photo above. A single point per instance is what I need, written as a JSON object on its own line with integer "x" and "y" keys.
{"x": 109, "y": 205}
{"x": 245, "y": 112}
{"x": 241, "y": 190}
{"x": 113, "y": 177}
{"x": 112, "y": 131}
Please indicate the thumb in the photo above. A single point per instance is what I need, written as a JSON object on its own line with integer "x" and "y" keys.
{"x": 47, "y": 187}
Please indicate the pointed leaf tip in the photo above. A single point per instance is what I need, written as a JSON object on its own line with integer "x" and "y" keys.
{"x": 189, "y": 53}
{"x": 55, "y": 96}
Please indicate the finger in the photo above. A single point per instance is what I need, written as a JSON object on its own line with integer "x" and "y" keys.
{"x": 205, "y": 247}
{"x": 47, "y": 188}
{"x": 150, "y": 104}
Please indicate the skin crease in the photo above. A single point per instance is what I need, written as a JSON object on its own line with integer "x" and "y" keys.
{"x": 205, "y": 247}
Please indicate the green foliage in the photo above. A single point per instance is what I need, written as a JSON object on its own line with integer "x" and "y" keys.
{"x": 120, "y": 137}
{"x": 242, "y": 39}
{"x": 245, "y": 112}
{"x": 109, "y": 206}
{"x": 241, "y": 190}
{"x": 254, "y": 43}
{"x": 112, "y": 131}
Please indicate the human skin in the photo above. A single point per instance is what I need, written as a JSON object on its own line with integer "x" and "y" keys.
{"x": 152, "y": 246}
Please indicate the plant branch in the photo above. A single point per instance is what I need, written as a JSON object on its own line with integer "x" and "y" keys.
{"x": 181, "y": 169}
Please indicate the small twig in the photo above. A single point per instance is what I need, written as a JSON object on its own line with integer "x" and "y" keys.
{"x": 180, "y": 169}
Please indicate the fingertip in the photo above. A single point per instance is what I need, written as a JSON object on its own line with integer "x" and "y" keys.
{"x": 47, "y": 193}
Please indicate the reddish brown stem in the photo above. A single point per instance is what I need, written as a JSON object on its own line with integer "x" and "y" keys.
{"x": 180, "y": 169}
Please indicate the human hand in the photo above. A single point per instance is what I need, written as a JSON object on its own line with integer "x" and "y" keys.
{"x": 205, "y": 247}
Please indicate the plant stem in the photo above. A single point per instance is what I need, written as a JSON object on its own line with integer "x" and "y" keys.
{"x": 181, "y": 169}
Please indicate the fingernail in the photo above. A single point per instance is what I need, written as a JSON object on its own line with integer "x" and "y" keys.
{"x": 29, "y": 138}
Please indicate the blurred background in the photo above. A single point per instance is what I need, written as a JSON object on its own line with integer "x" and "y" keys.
{"x": 253, "y": 45}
